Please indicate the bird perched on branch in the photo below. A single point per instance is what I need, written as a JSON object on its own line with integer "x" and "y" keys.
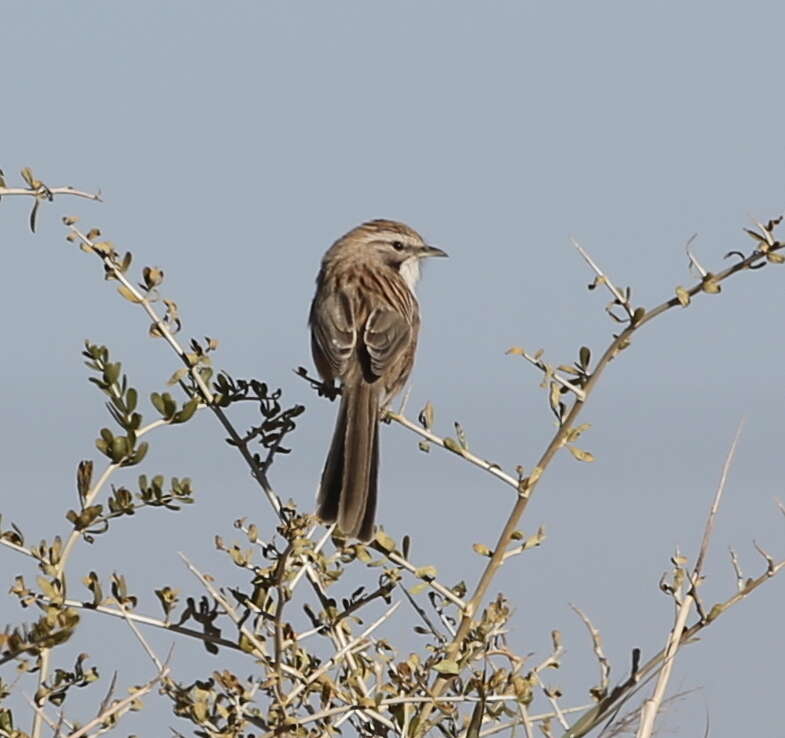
{"x": 364, "y": 324}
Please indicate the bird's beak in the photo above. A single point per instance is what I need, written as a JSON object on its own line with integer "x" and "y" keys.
{"x": 432, "y": 251}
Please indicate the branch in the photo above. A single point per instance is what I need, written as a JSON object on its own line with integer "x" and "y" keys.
{"x": 121, "y": 705}
{"x": 44, "y": 191}
{"x": 590, "y": 719}
{"x": 398, "y": 559}
{"x": 59, "y": 573}
{"x": 353, "y": 644}
{"x": 652, "y": 705}
{"x": 16, "y": 547}
{"x": 603, "y": 278}
{"x": 252, "y": 639}
{"x": 640, "y": 317}
{"x": 257, "y": 471}
{"x": 715, "y": 506}
{"x": 148, "y": 620}
{"x": 549, "y": 371}
{"x": 451, "y": 445}
{"x": 40, "y": 192}
{"x": 162, "y": 328}
{"x": 602, "y": 659}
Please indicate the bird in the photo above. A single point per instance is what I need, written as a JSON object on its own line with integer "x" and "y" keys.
{"x": 364, "y": 322}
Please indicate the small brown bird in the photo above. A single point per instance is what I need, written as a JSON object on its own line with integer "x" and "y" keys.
{"x": 364, "y": 323}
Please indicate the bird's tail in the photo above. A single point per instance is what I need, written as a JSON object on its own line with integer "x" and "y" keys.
{"x": 347, "y": 493}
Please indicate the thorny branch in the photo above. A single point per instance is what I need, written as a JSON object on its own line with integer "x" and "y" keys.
{"x": 652, "y": 705}
{"x": 709, "y": 284}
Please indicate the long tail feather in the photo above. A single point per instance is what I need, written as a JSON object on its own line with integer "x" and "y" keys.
{"x": 347, "y": 493}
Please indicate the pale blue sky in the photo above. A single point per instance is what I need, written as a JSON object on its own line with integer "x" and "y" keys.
{"x": 233, "y": 142}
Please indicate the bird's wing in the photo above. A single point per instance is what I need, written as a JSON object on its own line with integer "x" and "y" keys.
{"x": 386, "y": 335}
{"x": 333, "y": 332}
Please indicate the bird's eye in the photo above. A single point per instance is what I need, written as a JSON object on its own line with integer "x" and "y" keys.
{"x": 397, "y": 245}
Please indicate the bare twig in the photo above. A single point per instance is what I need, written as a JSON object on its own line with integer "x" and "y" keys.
{"x": 45, "y": 191}
{"x": 423, "y": 616}
{"x": 652, "y": 705}
{"x": 43, "y": 670}
{"x": 715, "y": 506}
{"x": 737, "y": 569}
{"x": 145, "y": 645}
{"x": 120, "y": 706}
{"x": 598, "y": 713}
{"x": 604, "y": 278}
{"x": 526, "y": 720}
{"x": 354, "y": 643}
{"x": 491, "y": 468}
{"x": 769, "y": 559}
{"x": 602, "y": 659}
{"x": 55, "y": 726}
{"x": 318, "y": 547}
{"x": 557, "y": 710}
{"x": 694, "y": 263}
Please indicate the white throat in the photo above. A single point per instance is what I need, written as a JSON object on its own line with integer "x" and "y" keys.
{"x": 410, "y": 271}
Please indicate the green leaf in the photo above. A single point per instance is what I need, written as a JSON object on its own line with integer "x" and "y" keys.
{"x": 580, "y": 454}
{"x": 168, "y": 598}
{"x": 710, "y": 285}
{"x": 119, "y": 449}
{"x": 575, "y": 433}
{"x": 92, "y": 583}
{"x": 139, "y": 453}
{"x": 178, "y": 376}
{"x": 426, "y": 416}
{"x": 683, "y": 296}
{"x": 387, "y": 543}
{"x": 447, "y": 667}
{"x": 112, "y": 372}
{"x": 134, "y": 422}
{"x": 48, "y": 588}
{"x": 157, "y": 402}
{"x": 453, "y": 445}
{"x": 127, "y": 294}
{"x": 637, "y": 316}
{"x": 170, "y": 406}
{"x": 84, "y": 476}
{"x": 131, "y": 398}
{"x": 153, "y": 276}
